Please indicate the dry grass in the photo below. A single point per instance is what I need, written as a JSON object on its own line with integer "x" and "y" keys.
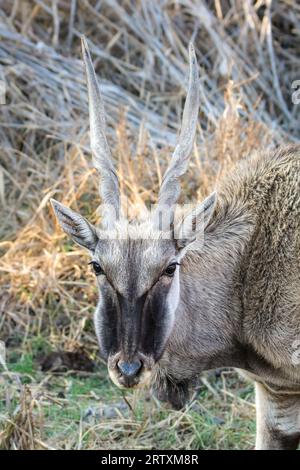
{"x": 248, "y": 59}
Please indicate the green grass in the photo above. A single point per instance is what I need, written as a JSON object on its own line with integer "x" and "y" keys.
{"x": 23, "y": 365}
{"x": 223, "y": 419}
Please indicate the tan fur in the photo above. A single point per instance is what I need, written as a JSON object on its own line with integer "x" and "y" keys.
{"x": 242, "y": 291}
{"x": 278, "y": 420}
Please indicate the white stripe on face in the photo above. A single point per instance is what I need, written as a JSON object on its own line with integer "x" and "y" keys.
{"x": 172, "y": 302}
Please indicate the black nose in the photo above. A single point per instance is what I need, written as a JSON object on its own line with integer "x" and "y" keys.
{"x": 129, "y": 369}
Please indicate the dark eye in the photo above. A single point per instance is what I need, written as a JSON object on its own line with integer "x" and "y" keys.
{"x": 97, "y": 268}
{"x": 170, "y": 270}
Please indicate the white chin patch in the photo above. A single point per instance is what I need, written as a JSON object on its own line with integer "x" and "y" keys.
{"x": 144, "y": 379}
{"x": 114, "y": 379}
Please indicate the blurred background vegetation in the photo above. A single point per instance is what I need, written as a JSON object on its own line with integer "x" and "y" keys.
{"x": 54, "y": 390}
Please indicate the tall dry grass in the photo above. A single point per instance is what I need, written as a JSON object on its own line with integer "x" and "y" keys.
{"x": 248, "y": 60}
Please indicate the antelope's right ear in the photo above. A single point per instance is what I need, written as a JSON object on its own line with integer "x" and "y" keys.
{"x": 76, "y": 226}
{"x": 194, "y": 224}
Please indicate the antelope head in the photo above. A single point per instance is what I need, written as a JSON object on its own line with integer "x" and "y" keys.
{"x": 137, "y": 267}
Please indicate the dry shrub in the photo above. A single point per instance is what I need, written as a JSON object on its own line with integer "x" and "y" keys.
{"x": 22, "y": 429}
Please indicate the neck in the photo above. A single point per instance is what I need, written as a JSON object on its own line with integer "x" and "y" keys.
{"x": 208, "y": 326}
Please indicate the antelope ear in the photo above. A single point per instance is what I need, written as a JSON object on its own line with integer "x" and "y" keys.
{"x": 194, "y": 223}
{"x": 76, "y": 226}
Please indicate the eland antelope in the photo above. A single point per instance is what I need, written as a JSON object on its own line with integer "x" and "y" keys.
{"x": 173, "y": 304}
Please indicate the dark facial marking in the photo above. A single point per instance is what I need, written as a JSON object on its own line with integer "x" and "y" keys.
{"x": 132, "y": 321}
{"x": 131, "y": 317}
{"x": 154, "y": 321}
{"x": 110, "y": 324}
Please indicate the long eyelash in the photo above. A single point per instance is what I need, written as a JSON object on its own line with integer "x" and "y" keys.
{"x": 175, "y": 262}
{"x": 92, "y": 262}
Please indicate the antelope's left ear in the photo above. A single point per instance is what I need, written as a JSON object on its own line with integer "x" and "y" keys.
{"x": 194, "y": 223}
{"x": 76, "y": 226}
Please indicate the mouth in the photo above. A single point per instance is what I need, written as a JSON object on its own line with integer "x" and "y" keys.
{"x": 130, "y": 376}
{"x": 140, "y": 381}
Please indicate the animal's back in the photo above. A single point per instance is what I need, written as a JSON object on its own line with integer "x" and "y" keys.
{"x": 270, "y": 270}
